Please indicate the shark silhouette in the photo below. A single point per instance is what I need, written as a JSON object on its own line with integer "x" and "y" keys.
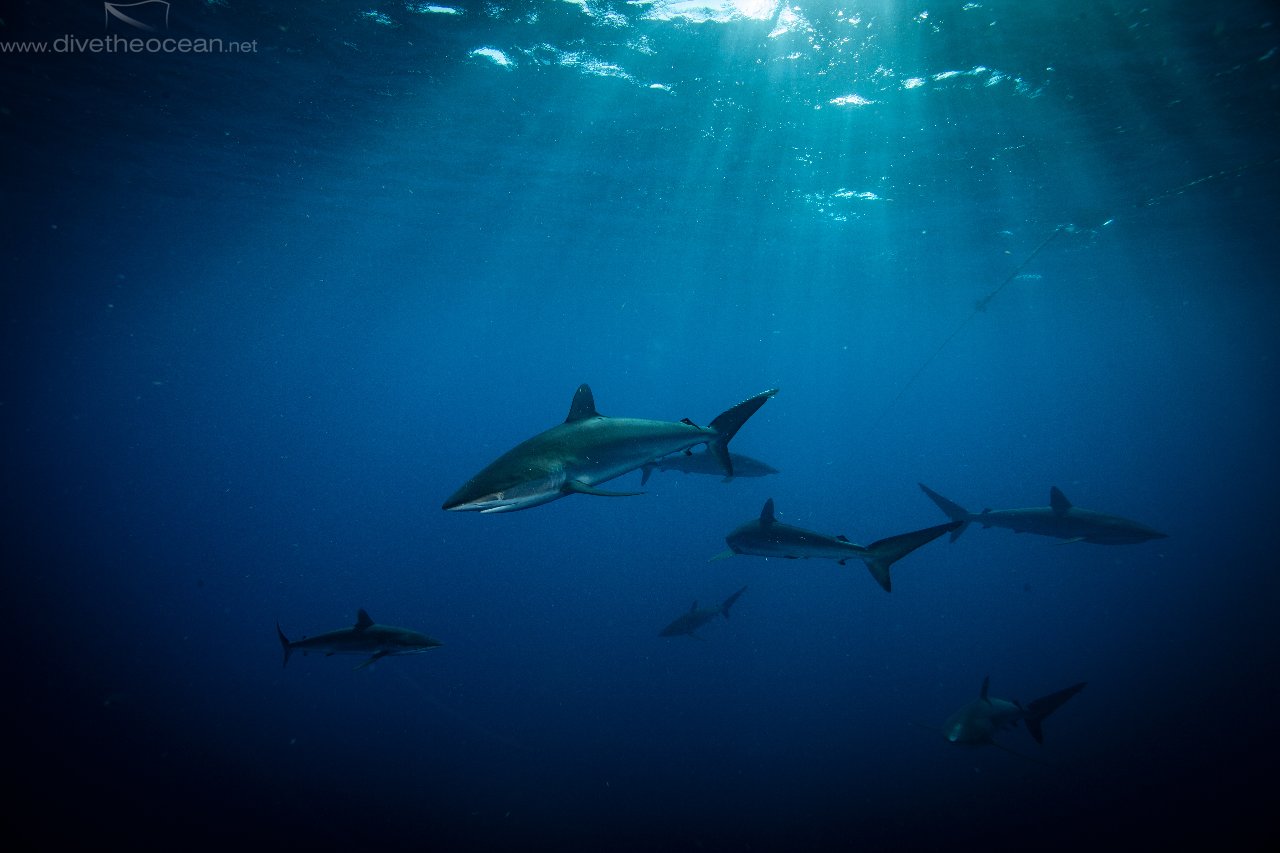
{"x": 977, "y": 722}
{"x": 366, "y": 637}
{"x": 706, "y": 463}
{"x": 1061, "y": 519}
{"x": 694, "y": 618}
{"x": 768, "y": 537}
{"x": 589, "y": 449}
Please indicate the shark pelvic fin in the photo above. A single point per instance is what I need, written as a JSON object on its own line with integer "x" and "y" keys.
{"x": 724, "y": 555}
{"x": 582, "y": 488}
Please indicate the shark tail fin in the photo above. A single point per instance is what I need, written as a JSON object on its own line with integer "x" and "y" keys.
{"x": 883, "y": 554}
{"x": 284, "y": 641}
{"x": 954, "y": 511}
{"x": 1040, "y": 708}
{"x": 728, "y": 602}
{"x": 727, "y": 424}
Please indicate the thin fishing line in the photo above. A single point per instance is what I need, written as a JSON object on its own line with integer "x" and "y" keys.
{"x": 979, "y": 306}
{"x": 1225, "y": 173}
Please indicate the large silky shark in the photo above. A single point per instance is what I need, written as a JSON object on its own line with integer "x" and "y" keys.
{"x": 366, "y": 637}
{"x": 693, "y": 619}
{"x": 977, "y": 723}
{"x": 767, "y": 537}
{"x": 1060, "y": 519}
{"x": 706, "y": 463}
{"x": 589, "y": 449}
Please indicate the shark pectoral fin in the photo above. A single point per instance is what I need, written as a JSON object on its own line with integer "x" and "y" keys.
{"x": 582, "y": 488}
{"x": 372, "y": 659}
{"x": 645, "y": 472}
{"x": 723, "y": 555}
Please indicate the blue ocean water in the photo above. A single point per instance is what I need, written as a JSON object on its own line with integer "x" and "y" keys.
{"x": 265, "y": 309}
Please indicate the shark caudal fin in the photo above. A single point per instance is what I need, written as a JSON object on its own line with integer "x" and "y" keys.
{"x": 284, "y": 641}
{"x": 881, "y": 555}
{"x": 727, "y": 424}
{"x": 1040, "y": 708}
{"x": 954, "y": 511}
{"x": 728, "y": 602}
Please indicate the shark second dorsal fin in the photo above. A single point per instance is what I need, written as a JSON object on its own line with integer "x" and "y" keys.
{"x": 1058, "y": 501}
{"x": 983, "y": 695}
{"x": 583, "y": 405}
{"x": 843, "y": 538}
{"x": 766, "y": 514}
{"x": 362, "y": 620}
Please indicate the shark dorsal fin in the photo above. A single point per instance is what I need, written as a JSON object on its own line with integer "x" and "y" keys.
{"x": 1058, "y": 501}
{"x": 766, "y": 514}
{"x": 362, "y": 620}
{"x": 983, "y": 695}
{"x": 693, "y": 606}
{"x": 583, "y": 405}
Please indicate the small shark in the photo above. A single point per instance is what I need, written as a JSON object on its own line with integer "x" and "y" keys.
{"x": 706, "y": 463}
{"x": 976, "y": 723}
{"x": 589, "y": 449}
{"x": 1060, "y": 519}
{"x": 364, "y": 638}
{"x": 768, "y": 537}
{"x": 694, "y": 619}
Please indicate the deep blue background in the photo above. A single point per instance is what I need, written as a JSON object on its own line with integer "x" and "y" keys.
{"x": 262, "y": 313}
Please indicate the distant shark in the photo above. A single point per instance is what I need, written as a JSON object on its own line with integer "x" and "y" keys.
{"x": 364, "y": 638}
{"x": 706, "y": 463}
{"x": 768, "y": 537}
{"x": 589, "y": 449}
{"x": 1060, "y": 519}
{"x": 693, "y": 619}
{"x": 977, "y": 722}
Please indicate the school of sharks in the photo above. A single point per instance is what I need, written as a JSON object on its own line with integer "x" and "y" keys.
{"x": 589, "y": 449}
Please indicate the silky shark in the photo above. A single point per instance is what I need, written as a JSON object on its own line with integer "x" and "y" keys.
{"x": 366, "y": 637}
{"x": 976, "y": 723}
{"x": 767, "y": 537}
{"x": 1060, "y": 519}
{"x": 706, "y": 463}
{"x": 589, "y": 449}
{"x": 694, "y": 618}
